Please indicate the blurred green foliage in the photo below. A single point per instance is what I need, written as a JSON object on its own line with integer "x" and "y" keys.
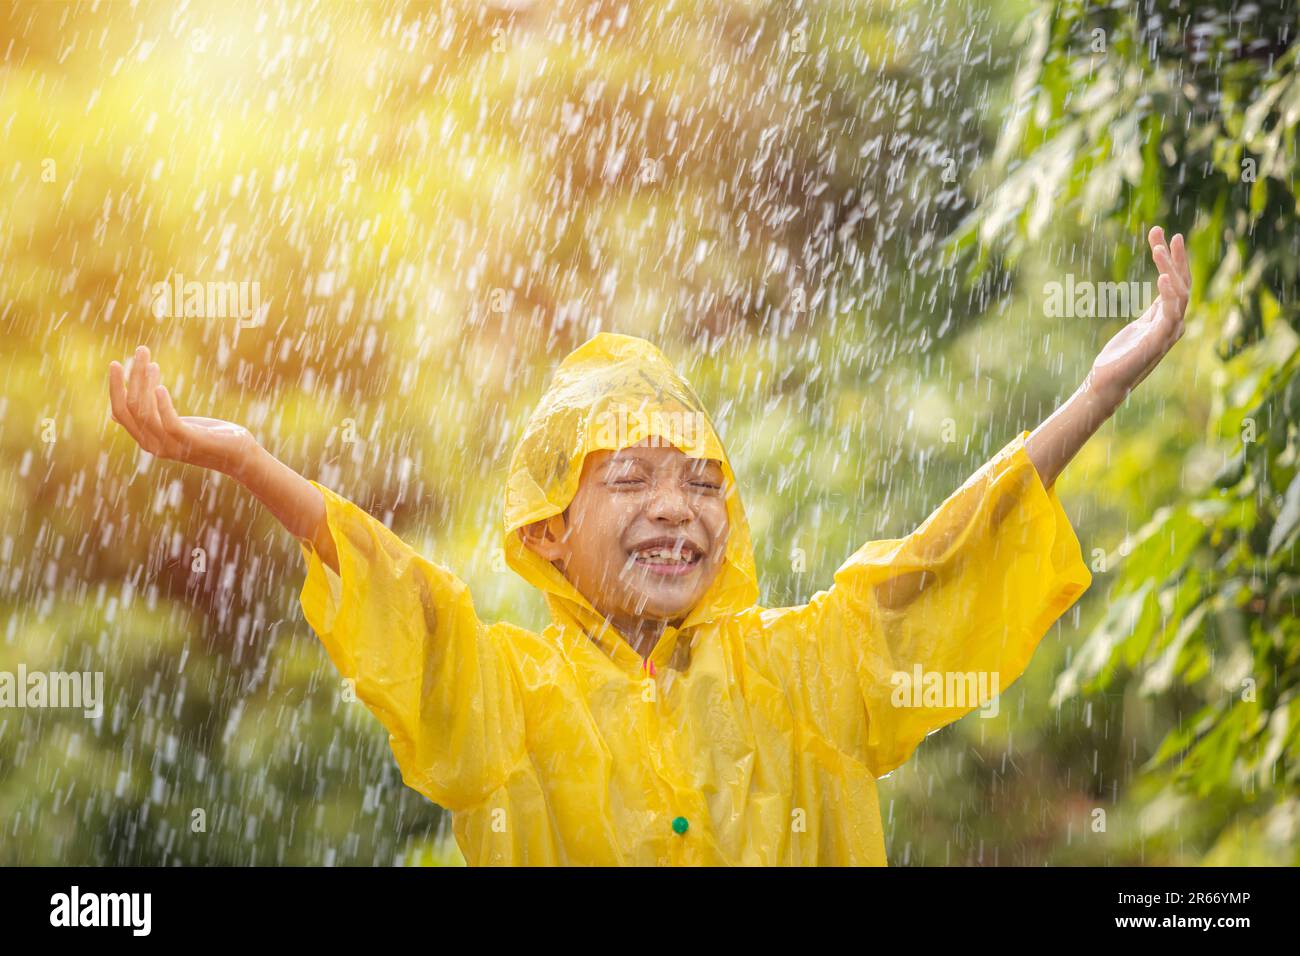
{"x": 1187, "y": 117}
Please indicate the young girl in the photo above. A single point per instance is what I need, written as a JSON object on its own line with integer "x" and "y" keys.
{"x": 663, "y": 717}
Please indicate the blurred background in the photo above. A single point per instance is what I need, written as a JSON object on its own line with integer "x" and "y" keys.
{"x": 842, "y": 221}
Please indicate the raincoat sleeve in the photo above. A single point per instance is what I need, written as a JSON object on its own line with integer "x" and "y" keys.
{"x": 964, "y": 598}
{"x": 405, "y": 632}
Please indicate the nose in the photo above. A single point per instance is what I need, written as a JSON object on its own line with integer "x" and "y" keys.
{"x": 669, "y": 504}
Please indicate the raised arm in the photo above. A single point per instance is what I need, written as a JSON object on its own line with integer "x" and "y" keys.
{"x": 962, "y": 601}
{"x": 402, "y": 629}
{"x": 143, "y": 406}
{"x": 1126, "y": 360}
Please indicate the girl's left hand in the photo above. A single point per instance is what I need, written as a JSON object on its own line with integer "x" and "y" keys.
{"x": 1138, "y": 347}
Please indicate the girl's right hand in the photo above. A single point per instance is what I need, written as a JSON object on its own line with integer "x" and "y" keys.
{"x": 144, "y": 408}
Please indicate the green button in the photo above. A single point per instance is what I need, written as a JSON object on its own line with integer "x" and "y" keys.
{"x": 680, "y": 825}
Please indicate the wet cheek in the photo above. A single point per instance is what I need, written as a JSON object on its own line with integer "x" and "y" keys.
{"x": 619, "y": 517}
{"x": 604, "y": 537}
{"x": 598, "y": 516}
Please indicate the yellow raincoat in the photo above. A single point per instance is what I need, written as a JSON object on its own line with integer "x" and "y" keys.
{"x": 764, "y": 730}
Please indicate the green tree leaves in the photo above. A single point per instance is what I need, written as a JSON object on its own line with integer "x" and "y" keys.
{"x": 1124, "y": 119}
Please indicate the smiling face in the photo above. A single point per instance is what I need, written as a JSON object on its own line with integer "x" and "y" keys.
{"x": 644, "y": 536}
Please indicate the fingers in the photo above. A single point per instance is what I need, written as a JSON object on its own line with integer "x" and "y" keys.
{"x": 1165, "y": 263}
{"x": 135, "y": 385}
{"x": 1179, "y": 248}
{"x": 1171, "y": 294}
{"x": 1173, "y": 303}
{"x": 1168, "y": 294}
{"x": 1175, "y": 275}
{"x": 1163, "y": 260}
{"x": 147, "y": 413}
{"x": 171, "y": 422}
{"x": 1171, "y": 257}
{"x": 1155, "y": 238}
{"x": 117, "y": 392}
{"x": 135, "y": 403}
{"x": 1163, "y": 257}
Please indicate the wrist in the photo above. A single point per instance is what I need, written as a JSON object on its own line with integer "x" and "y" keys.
{"x": 1100, "y": 401}
{"x": 247, "y": 463}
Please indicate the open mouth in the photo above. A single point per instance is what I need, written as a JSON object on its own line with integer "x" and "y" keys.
{"x": 669, "y": 556}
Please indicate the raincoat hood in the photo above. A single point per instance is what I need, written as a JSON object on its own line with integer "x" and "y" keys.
{"x": 612, "y": 392}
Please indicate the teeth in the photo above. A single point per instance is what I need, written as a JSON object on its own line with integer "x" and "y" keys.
{"x": 665, "y": 554}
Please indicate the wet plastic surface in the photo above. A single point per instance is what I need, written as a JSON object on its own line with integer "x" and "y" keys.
{"x": 751, "y": 736}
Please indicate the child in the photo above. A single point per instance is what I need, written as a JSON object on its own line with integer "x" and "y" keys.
{"x": 663, "y": 717}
